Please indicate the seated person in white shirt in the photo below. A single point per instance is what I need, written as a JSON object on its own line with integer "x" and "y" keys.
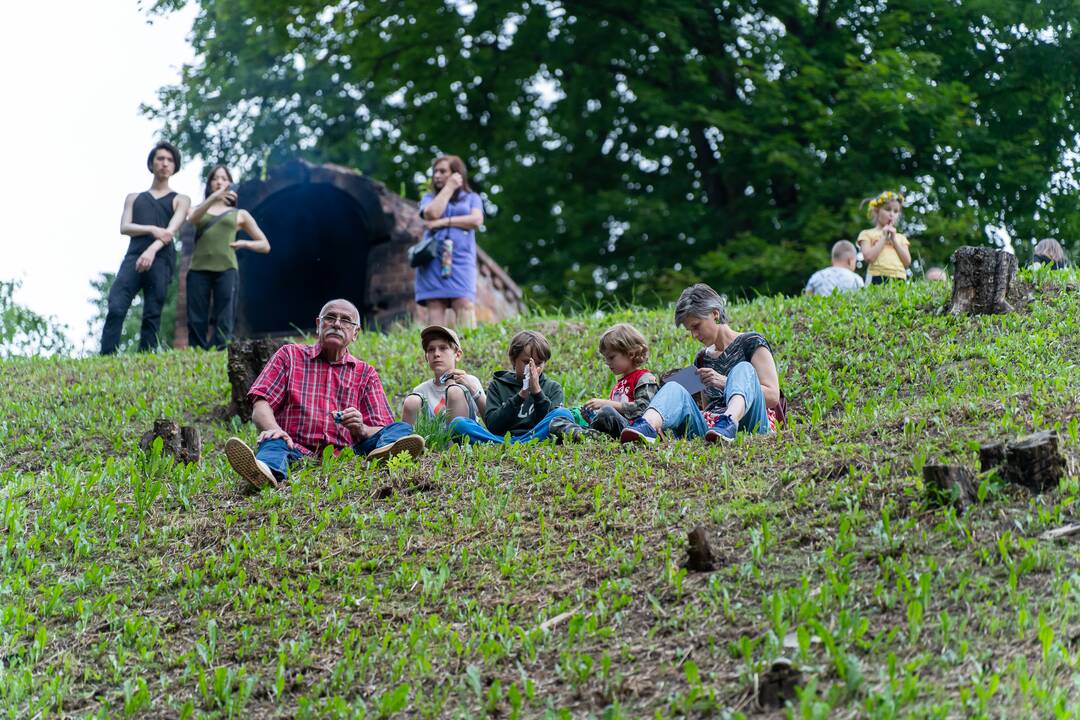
{"x": 451, "y": 392}
{"x": 840, "y": 276}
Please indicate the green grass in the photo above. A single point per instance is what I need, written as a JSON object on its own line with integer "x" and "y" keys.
{"x": 546, "y": 581}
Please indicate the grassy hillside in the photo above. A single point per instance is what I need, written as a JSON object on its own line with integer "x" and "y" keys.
{"x": 545, "y": 580}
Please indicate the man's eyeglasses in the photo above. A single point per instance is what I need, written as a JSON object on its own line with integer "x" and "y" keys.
{"x": 338, "y": 320}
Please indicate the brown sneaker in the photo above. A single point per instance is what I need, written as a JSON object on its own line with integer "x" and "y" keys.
{"x": 243, "y": 461}
{"x": 412, "y": 444}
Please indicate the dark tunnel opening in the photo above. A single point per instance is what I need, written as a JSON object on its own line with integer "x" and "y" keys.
{"x": 320, "y": 238}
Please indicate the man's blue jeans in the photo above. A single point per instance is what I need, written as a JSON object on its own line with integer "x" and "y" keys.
{"x": 683, "y": 417}
{"x": 474, "y": 432}
{"x": 278, "y": 455}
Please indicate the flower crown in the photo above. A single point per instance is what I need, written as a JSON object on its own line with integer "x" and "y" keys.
{"x": 883, "y": 198}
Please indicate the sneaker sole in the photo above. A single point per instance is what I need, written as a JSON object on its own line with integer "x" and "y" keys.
{"x": 633, "y": 436}
{"x": 244, "y": 463}
{"x": 412, "y": 444}
{"x": 712, "y": 436}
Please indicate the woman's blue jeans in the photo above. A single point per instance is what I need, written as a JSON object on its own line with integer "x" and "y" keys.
{"x": 474, "y": 432}
{"x": 278, "y": 455}
{"x": 684, "y": 418}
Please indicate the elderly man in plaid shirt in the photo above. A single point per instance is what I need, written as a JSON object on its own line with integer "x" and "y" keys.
{"x": 309, "y": 397}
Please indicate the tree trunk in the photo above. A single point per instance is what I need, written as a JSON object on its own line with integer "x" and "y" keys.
{"x": 246, "y": 360}
{"x": 182, "y": 443}
{"x": 982, "y": 278}
{"x": 991, "y": 455}
{"x": 1035, "y": 462}
{"x": 951, "y": 485}
{"x": 700, "y": 556}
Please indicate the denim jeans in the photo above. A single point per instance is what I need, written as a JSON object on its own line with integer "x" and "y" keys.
{"x": 278, "y": 455}
{"x": 684, "y": 418}
{"x": 211, "y": 294}
{"x": 129, "y": 282}
{"x": 474, "y": 432}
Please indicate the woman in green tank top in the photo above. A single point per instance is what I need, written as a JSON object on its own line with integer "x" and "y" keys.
{"x": 212, "y": 276}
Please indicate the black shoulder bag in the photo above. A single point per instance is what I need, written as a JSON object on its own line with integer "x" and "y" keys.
{"x": 424, "y": 251}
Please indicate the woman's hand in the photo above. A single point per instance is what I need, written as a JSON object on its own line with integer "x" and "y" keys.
{"x": 455, "y": 181}
{"x": 711, "y": 378}
{"x": 889, "y": 234}
{"x": 436, "y": 224}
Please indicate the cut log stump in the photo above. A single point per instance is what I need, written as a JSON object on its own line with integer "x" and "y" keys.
{"x": 246, "y": 360}
{"x": 951, "y": 485}
{"x": 700, "y": 556}
{"x": 991, "y": 455}
{"x": 181, "y": 443}
{"x": 1035, "y": 462}
{"x": 982, "y": 279}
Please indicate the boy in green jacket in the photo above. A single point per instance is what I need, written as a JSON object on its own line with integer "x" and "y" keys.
{"x": 522, "y": 401}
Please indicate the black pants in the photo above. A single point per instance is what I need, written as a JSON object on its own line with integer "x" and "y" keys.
{"x": 153, "y": 284}
{"x": 884, "y": 279}
{"x": 210, "y": 295}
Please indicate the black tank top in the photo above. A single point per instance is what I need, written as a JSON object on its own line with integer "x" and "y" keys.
{"x": 148, "y": 210}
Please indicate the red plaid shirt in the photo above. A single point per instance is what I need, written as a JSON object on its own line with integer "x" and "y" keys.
{"x": 303, "y": 389}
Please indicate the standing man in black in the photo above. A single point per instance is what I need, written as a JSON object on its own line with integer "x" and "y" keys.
{"x": 151, "y": 219}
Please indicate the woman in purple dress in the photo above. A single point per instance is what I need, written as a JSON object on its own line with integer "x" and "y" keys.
{"x": 452, "y": 212}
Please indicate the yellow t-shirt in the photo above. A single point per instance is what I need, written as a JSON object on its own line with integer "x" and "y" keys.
{"x": 888, "y": 263}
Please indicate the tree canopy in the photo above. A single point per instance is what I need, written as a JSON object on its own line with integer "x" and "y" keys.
{"x": 630, "y": 148}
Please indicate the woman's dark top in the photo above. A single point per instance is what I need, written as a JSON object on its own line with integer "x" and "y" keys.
{"x": 741, "y": 349}
{"x": 148, "y": 210}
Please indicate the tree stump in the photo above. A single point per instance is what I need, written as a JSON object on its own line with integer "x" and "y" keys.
{"x": 182, "y": 443}
{"x": 951, "y": 485}
{"x": 700, "y": 556}
{"x": 1035, "y": 462}
{"x": 991, "y": 455}
{"x": 246, "y": 360}
{"x": 982, "y": 278}
{"x": 779, "y": 685}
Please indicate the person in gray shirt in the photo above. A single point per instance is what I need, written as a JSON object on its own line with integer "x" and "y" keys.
{"x": 840, "y": 276}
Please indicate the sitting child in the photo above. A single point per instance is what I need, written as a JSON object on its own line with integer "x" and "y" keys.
{"x": 451, "y": 393}
{"x": 624, "y": 350}
{"x": 522, "y": 401}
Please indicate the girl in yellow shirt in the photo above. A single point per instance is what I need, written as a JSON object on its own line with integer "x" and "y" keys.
{"x": 885, "y": 249}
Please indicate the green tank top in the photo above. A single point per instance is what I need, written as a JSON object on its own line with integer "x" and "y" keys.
{"x": 212, "y": 252}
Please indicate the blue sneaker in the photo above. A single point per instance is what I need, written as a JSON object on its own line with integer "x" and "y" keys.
{"x": 639, "y": 431}
{"x": 723, "y": 429}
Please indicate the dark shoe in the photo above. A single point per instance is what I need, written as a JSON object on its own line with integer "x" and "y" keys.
{"x": 412, "y": 444}
{"x": 639, "y": 431}
{"x": 257, "y": 473}
{"x": 723, "y": 429}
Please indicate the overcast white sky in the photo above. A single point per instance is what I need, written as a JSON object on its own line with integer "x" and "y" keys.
{"x": 73, "y": 143}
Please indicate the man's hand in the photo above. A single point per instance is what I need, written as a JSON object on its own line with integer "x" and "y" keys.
{"x": 711, "y": 378}
{"x": 274, "y": 434}
{"x": 145, "y": 260}
{"x": 597, "y": 404}
{"x": 162, "y": 234}
{"x": 353, "y": 420}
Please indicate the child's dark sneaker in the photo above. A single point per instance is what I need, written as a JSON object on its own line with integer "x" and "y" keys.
{"x": 639, "y": 431}
{"x": 723, "y": 429}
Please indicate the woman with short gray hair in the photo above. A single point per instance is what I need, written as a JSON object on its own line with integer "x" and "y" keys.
{"x": 742, "y": 390}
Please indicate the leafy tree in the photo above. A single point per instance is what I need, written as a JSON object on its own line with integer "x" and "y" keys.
{"x": 633, "y": 147}
{"x": 23, "y": 331}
